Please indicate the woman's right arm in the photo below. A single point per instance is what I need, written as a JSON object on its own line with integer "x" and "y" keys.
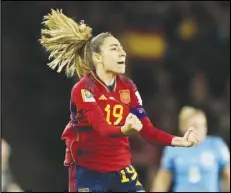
{"x": 85, "y": 101}
{"x": 163, "y": 179}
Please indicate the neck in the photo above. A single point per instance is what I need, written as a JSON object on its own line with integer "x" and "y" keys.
{"x": 107, "y": 77}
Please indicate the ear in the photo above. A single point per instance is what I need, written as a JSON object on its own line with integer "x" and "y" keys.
{"x": 97, "y": 58}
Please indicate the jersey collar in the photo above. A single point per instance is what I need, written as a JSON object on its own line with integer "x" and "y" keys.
{"x": 96, "y": 77}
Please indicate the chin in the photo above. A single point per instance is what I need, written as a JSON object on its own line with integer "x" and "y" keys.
{"x": 118, "y": 71}
{"x": 121, "y": 70}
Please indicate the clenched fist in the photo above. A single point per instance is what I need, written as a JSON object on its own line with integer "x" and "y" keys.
{"x": 190, "y": 138}
{"x": 132, "y": 125}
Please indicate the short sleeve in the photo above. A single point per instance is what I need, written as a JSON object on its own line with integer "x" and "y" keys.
{"x": 223, "y": 153}
{"x": 167, "y": 159}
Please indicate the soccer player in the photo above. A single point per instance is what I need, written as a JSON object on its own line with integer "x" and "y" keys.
{"x": 105, "y": 107}
{"x": 195, "y": 169}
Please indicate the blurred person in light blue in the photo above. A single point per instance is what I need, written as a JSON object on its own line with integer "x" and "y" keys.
{"x": 8, "y": 183}
{"x": 196, "y": 169}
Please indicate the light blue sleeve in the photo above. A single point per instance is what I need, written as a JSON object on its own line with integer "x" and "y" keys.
{"x": 167, "y": 162}
{"x": 223, "y": 153}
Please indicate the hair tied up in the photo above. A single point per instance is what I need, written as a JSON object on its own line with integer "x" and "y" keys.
{"x": 64, "y": 38}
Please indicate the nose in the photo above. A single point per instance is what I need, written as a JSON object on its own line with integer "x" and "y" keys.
{"x": 122, "y": 53}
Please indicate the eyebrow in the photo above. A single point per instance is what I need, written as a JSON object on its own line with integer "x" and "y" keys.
{"x": 115, "y": 45}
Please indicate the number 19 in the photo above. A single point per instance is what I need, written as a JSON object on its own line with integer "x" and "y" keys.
{"x": 117, "y": 112}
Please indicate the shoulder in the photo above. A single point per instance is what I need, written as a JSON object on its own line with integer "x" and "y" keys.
{"x": 215, "y": 140}
{"x": 127, "y": 82}
{"x": 168, "y": 150}
{"x": 83, "y": 90}
{"x": 221, "y": 148}
{"x": 175, "y": 151}
{"x": 87, "y": 83}
{"x": 218, "y": 144}
{"x": 124, "y": 79}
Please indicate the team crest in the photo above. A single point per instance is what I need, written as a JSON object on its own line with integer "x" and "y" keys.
{"x": 125, "y": 96}
{"x": 207, "y": 158}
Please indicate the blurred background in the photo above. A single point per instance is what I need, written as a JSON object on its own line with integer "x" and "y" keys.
{"x": 178, "y": 54}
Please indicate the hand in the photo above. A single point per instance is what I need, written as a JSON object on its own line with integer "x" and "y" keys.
{"x": 132, "y": 125}
{"x": 190, "y": 138}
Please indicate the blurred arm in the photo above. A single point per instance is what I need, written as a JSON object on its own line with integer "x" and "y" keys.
{"x": 224, "y": 160}
{"x": 226, "y": 176}
{"x": 13, "y": 187}
{"x": 162, "y": 181}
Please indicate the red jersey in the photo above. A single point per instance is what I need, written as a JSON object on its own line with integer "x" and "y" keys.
{"x": 93, "y": 136}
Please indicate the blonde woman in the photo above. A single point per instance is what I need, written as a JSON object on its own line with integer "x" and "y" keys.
{"x": 105, "y": 107}
{"x": 195, "y": 169}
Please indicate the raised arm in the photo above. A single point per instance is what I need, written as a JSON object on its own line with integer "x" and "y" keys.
{"x": 150, "y": 133}
{"x": 85, "y": 102}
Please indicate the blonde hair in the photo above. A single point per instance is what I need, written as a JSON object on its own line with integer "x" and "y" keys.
{"x": 186, "y": 113}
{"x": 67, "y": 42}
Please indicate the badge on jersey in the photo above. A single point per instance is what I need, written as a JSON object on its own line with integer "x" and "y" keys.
{"x": 208, "y": 159}
{"x": 87, "y": 96}
{"x": 125, "y": 96}
{"x": 138, "y": 97}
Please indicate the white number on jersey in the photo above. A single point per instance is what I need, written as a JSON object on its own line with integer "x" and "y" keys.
{"x": 194, "y": 174}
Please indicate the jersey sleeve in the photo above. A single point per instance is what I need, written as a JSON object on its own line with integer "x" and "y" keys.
{"x": 149, "y": 132}
{"x": 167, "y": 160}
{"x": 223, "y": 153}
{"x": 85, "y": 101}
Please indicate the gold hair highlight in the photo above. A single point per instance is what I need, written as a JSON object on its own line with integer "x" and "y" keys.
{"x": 67, "y": 43}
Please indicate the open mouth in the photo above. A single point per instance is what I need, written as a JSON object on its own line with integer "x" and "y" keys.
{"x": 121, "y": 62}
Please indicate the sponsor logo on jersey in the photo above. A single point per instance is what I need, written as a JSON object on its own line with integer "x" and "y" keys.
{"x": 102, "y": 97}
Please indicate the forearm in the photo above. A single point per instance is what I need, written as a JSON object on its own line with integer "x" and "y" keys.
{"x": 160, "y": 185}
{"x": 162, "y": 182}
{"x": 99, "y": 124}
{"x": 90, "y": 112}
{"x": 177, "y": 141}
{"x": 228, "y": 184}
{"x": 150, "y": 133}
{"x": 226, "y": 175}
{"x": 13, "y": 187}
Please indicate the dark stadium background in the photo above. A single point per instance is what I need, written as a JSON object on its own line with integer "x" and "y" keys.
{"x": 178, "y": 54}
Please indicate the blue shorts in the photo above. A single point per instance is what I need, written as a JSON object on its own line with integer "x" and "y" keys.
{"x": 85, "y": 180}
